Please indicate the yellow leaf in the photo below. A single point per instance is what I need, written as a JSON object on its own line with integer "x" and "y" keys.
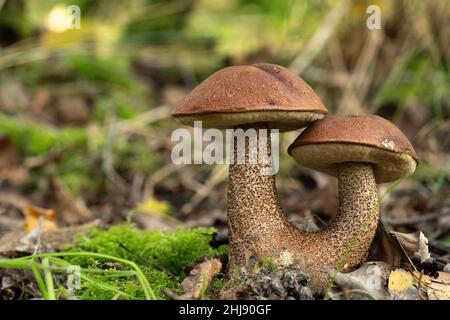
{"x": 400, "y": 280}
{"x": 34, "y": 215}
{"x": 154, "y": 206}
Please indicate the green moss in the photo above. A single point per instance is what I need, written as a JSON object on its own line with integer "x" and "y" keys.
{"x": 125, "y": 287}
{"x": 163, "y": 257}
{"x": 270, "y": 263}
{"x": 219, "y": 283}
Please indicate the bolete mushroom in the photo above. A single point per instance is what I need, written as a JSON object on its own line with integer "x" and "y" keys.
{"x": 360, "y": 151}
{"x": 259, "y": 96}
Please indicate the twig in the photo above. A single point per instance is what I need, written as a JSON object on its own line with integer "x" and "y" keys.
{"x": 403, "y": 250}
{"x": 143, "y": 120}
{"x": 218, "y": 175}
{"x": 155, "y": 178}
{"x": 107, "y": 158}
{"x": 14, "y": 200}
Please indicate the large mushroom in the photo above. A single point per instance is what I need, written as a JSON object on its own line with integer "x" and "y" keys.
{"x": 360, "y": 151}
{"x": 260, "y": 96}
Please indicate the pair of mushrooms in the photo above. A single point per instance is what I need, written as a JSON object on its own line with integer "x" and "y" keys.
{"x": 360, "y": 151}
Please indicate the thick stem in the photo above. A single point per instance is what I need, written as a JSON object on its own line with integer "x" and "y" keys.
{"x": 255, "y": 219}
{"x": 346, "y": 241}
{"x": 356, "y": 223}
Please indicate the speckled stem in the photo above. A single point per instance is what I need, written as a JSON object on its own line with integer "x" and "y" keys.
{"x": 255, "y": 219}
{"x": 356, "y": 223}
{"x": 346, "y": 241}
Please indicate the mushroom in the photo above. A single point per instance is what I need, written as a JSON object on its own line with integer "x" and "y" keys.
{"x": 360, "y": 151}
{"x": 260, "y": 96}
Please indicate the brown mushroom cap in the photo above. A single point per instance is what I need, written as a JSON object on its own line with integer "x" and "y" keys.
{"x": 367, "y": 138}
{"x": 249, "y": 94}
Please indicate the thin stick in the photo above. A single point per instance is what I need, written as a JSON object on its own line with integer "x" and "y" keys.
{"x": 218, "y": 175}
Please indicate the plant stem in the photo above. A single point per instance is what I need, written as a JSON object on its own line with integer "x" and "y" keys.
{"x": 24, "y": 263}
{"x": 48, "y": 279}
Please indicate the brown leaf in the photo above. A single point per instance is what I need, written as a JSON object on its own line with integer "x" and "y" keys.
{"x": 200, "y": 278}
{"x": 394, "y": 247}
{"x": 385, "y": 247}
{"x": 368, "y": 281}
{"x": 439, "y": 287}
{"x": 409, "y": 241}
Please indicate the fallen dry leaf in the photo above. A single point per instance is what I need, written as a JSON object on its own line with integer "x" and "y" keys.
{"x": 405, "y": 285}
{"x": 200, "y": 279}
{"x": 439, "y": 287}
{"x": 409, "y": 241}
{"x": 38, "y": 217}
{"x": 385, "y": 247}
{"x": 153, "y": 206}
{"x": 368, "y": 281}
{"x": 394, "y": 247}
{"x": 415, "y": 285}
{"x": 400, "y": 280}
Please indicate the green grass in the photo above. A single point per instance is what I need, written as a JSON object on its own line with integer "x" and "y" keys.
{"x": 120, "y": 263}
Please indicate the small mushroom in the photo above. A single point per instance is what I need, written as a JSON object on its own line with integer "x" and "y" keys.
{"x": 360, "y": 151}
{"x": 260, "y": 96}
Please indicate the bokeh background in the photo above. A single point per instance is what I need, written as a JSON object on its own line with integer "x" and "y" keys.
{"x": 85, "y": 114}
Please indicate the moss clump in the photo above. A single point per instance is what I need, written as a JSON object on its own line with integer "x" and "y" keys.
{"x": 162, "y": 256}
{"x": 269, "y": 263}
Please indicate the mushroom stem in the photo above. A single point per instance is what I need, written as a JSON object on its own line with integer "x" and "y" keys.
{"x": 346, "y": 241}
{"x": 356, "y": 223}
{"x": 255, "y": 219}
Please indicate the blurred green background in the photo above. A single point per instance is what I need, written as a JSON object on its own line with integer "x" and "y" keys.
{"x": 85, "y": 113}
